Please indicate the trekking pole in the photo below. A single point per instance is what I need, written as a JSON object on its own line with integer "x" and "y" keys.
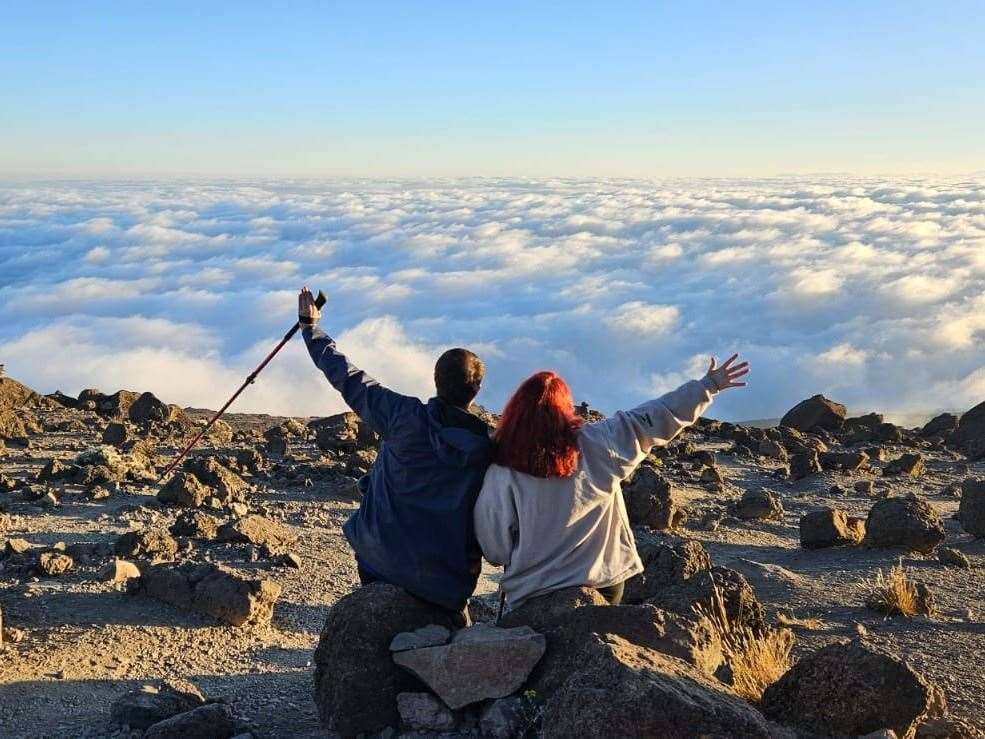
{"x": 319, "y": 302}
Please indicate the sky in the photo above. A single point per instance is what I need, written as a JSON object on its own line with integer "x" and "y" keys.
{"x": 870, "y": 290}
{"x": 612, "y": 190}
{"x": 506, "y": 89}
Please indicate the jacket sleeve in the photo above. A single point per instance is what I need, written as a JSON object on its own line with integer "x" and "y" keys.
{"x": 495, "y": 520}
{"x": 623, "y": 440}
{"x": 373, "y": 403}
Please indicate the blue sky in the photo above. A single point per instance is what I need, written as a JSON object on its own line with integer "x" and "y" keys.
{"x": 507, "y": 88}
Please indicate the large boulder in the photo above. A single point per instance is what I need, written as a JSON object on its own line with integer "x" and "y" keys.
{"x": 829, "y": 527}
{"x": 624, "y": 690}
{"x": 235, "y": 597}
{"x": 941, "y": 425}
{"x": 356, "y": 681}
{"x": 479, "y": 663}
{"x": 116, "y": 406}
{"x": 569, "y": 617}
{"x": 817, "y": 412}
{"x": 650, "y": 500}
{"x": 681, "y": 577}
{"x": 851, "y": 689}
{"x": 969, "y": 436}
{"x": 149, "y": 409}
{"x": 971, "y": 510}
{"x": 904, "y": 522}
{"x": 344, "y": 432}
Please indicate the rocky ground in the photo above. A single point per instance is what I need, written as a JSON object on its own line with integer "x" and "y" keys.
{"x": 229, "y": 571}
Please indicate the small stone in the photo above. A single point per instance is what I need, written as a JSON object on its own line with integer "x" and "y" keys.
{"x": 804, "y": 464}
{"x": 759, "y": 505}
{"x": 210, "y": 720}
{"x": 53, "y": 564}
{"x": 912, "y": 465}
{"x": 712, "y": 475}
{"x": 148, "y": 705}
{"x": 950, "y": 557}
{"x": 432, "y": 635}
{"x": 829, "y": 527}
{"x": 422, "y": 711}
{"x": 864, "y": 487}
{"x": 119, "y": 571}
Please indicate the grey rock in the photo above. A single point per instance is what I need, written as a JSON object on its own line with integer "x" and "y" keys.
{"x": 971, "y": 510}
{"x": 480, "y": 662}
{"x": 650, "y": 500}
{"x": 142, "y": 708}
{"x": 815, "y": 413}
{"x": 422, "y": 711}
{"x": 902, "y": 522}
{"x": 431, "y": 635}
{"x": 830, "y": 527}
{"x": 211, "y": 721}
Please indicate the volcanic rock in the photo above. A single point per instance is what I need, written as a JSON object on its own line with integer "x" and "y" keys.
{"x": 119, "y": 571}
{"x": 941, "y": 425}
{"x": 116, "y": 434}
{"x": 569, "y": 617}
{"x": 480, "y": 662}
{"x": 148, "y": 544}
{"x": 259, "y": 531}
{"x": 803, "y": 464}
{"x": 429, "y": 636}
{"x": 847, "y": 461}
{"x": 356, "y": 681}
{"x": 228, "y": 595}
{"x": 650, "y": 500}
{"x": 148, "y": 705}
{"x": 184, "y": 489}
{"x": 422, "y": 711}
{"x": 664, "y": 566}
{"x": 53, "y": 564}
{"x": 816, "y": 412}
{"x": 908, "y": 464}
{"x": 971, "y": 510}
{"x": 829, "y": 527}
{"x": 902, "y": 522}
{"x": 851, "y": 689}
{"x": 344, "y": 432}
{"x": 211, "y": 721}
{"x": 225, "y": 484}
{"x": 969, "y": 436}
{"x": 773, "y": 450}
{"x": 197, "y": 524}
{"x": 629, "y": 691}
{"x": 760, "y": 505}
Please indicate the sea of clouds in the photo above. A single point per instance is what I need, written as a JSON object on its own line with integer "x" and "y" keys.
{"x": 868, "y": 290}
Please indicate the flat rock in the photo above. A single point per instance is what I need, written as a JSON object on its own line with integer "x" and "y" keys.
{"x": 259, "y": 531}
{"x": 431, "y": 635}
{"x": 480, "y": 662}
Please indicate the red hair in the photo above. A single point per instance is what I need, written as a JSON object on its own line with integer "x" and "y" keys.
{"x": 536, "y": 433}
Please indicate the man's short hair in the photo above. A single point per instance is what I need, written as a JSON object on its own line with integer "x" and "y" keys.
{"x": 458, "y": 376}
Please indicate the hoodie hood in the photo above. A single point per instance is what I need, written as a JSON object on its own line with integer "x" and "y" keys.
{"x": 459, "y": 438}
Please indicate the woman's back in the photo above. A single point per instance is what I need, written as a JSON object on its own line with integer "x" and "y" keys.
{"x": 556, "y": 532}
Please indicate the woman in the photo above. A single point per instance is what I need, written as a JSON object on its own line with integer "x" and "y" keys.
{"x": 550, "y": 511}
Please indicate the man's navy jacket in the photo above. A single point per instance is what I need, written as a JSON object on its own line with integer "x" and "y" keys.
{"x": 414, "y": 525}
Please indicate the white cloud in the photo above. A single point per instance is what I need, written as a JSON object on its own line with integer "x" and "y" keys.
{"x": 868, "y": 289}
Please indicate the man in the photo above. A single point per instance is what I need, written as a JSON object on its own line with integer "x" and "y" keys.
{"x": 414, "y": 525}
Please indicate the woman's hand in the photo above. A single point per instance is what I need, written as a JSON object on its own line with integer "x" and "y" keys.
{"x": 308, "y": 313}
{"x": 725, "y": 377}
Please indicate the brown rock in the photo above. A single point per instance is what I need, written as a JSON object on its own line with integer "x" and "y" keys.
{"x": 650, "y": 500}
{"x": 53, "y": 564}
{"x": 184, "y": 489}
{"x": 971, "y": 510}
{"x": 902, "y": 522}
{"x": 908, "y": 464}
{"x": 259, "y": 531}
{"x": 852, "y": 689}
{"x": 623, "y": 690}
{"x": 148, "y": 544}
{"x": 828, "y": 527}
{"x": 759, "y": 505}
{"x": 815, "y": 413}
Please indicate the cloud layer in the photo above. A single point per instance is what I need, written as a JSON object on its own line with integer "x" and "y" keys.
{"x": 868, "y": 290}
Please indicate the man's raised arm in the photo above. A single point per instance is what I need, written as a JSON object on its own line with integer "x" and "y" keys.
{"x": 373, "y": 403}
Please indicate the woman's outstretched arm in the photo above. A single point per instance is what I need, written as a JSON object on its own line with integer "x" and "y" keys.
{"x": 627, "y": 436}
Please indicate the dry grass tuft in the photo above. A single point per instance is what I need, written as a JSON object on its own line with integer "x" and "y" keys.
{"x": 793, "y": 622}
{"x": 896, "y": 594}
{"x": 757, "y": 660}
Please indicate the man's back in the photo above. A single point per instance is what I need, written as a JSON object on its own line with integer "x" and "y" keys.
{"x": 414, "y": 525}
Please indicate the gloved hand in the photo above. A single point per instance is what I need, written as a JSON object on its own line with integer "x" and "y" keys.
{"x": 308, "y": 313}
